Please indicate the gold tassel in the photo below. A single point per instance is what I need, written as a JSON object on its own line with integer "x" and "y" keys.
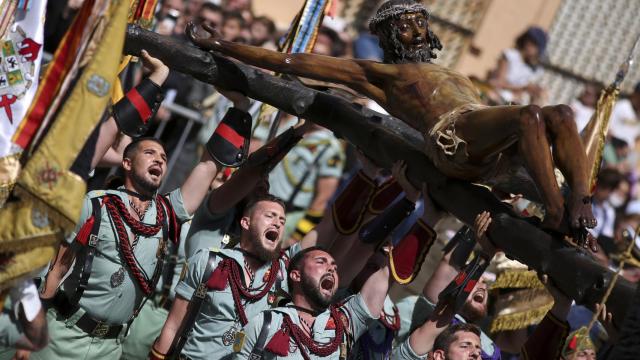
{"x": 521, "y": 320}
{"x": 517, "y": 279}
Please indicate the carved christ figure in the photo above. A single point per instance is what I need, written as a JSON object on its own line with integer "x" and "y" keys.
{"x": 464, "y": 139}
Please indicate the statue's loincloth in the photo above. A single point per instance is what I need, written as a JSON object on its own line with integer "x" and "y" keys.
{"x": 449, "y": 152}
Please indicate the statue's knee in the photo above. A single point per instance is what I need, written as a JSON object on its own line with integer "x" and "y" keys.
{"x": 564, "y": 111}
{"x": 560, "y": 117}
{"x": 531, "y": 117}
{"x": 565, "y": 114}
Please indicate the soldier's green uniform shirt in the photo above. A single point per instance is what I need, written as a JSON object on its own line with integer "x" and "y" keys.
{"x": 113, "y": 306}
{"x": 376, "y": 342}
{"x": 354, "y": 307}
{"x": 149, "y": 322}
{"x": 218, "y": 312}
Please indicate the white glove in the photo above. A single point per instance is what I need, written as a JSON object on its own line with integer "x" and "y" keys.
{"x": 26, "y": 293}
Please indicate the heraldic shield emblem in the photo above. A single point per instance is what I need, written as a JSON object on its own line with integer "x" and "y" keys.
{"x": 18, "y": 54}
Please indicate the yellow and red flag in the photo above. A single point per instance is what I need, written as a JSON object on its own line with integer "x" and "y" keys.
{"x": 70, "y": 101}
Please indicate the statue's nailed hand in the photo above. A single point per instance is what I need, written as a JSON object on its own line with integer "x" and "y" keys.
{"x": 208, "y": 43}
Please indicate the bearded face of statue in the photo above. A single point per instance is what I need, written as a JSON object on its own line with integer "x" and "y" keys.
{"x": 411, "y": 31}
{"x": 406, "y": 38}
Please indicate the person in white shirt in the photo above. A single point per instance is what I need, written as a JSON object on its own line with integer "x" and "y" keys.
{"x": 519, "y": 70}
{"x": 584, "y": 105}
{"x": 608, "y": 181}
{"x": 625, "y": 118}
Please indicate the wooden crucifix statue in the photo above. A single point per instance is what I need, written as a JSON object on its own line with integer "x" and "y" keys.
{"x": 464, "y": 139}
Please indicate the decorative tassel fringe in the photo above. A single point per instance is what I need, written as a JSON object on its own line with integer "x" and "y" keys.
{"x": 279, "y": 344}
{"x": 84, "y": 232}
{"x": 218, "y": 280}
{"x": 519, "y": 320}
{"x": 517, "y": 279}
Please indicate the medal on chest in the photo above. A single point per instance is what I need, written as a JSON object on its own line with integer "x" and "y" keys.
{"x": 239, "y": 341}
{"x": 229, "y": 336}
{"x": 117, "y": 278}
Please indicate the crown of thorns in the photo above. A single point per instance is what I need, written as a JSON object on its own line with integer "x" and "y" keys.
{"x": 394, "y": 12}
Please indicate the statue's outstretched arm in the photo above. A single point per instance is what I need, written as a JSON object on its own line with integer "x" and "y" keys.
{"x": 356, "y": 74}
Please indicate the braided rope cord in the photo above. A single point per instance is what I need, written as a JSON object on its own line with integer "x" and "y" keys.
{"x": 304, "y": 341}
{"x": 240, "y": 291}
{"x": 119, "y": 212}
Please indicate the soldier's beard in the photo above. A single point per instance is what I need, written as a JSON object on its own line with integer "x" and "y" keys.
{"x": 473, "y": 312}
{"x": 145, "y": 186}
{"x": 265, "y": 254}
{"x": 312, "y": 292}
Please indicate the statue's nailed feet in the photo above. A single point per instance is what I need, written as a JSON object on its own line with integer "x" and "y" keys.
{"x": 578, "y": 213}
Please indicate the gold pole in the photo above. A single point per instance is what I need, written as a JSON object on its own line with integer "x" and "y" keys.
{"x": 595, "y": 133}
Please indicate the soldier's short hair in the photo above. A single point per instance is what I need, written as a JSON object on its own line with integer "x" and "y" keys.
{"x": 448, "y": 336}
{"x": 130, "y": 149}
{"x": 262, "y": 197}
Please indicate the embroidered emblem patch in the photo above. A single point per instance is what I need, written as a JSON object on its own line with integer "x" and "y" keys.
{"x": 49, "y": 175}
{"x": 98, "y": 85}
{"x": 18, "y": 54}
{"x": 40, "y": 219}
